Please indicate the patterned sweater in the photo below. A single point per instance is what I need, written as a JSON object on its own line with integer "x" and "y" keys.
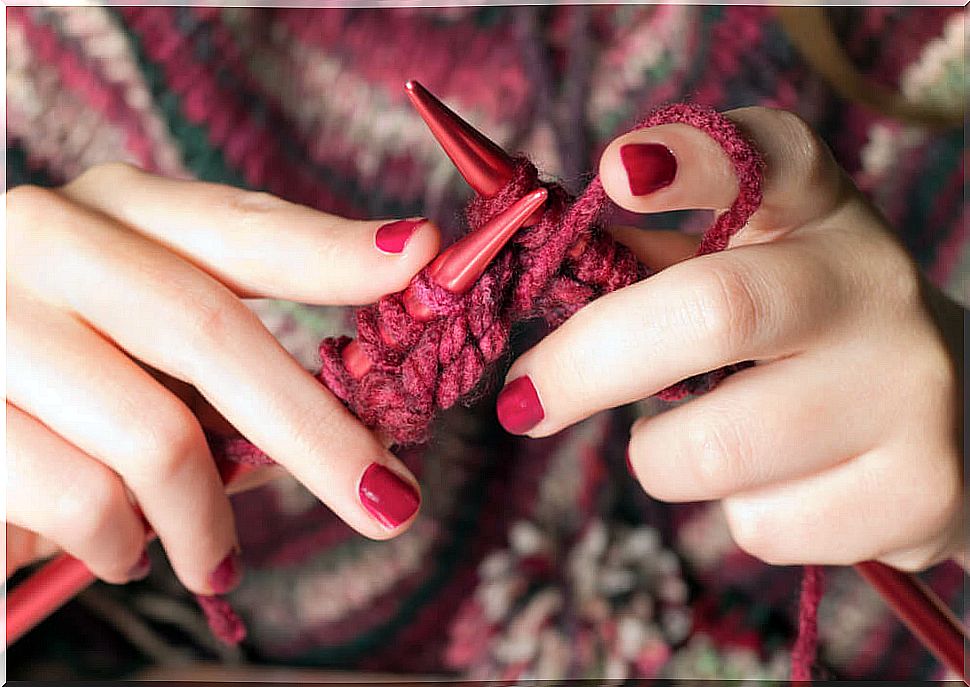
{"x": 533, "y": 558}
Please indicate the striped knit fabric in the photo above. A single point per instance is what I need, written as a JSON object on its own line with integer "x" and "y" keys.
{"x": 530, "y": 558}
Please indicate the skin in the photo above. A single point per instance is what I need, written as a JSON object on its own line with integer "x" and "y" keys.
{"x": 844, "y": 442}
{"x": 126, "y": 333}
{"x": 148, "y": 287}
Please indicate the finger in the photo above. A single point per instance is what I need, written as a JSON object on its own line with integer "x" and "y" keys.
{"x": 180, "y": 320}
{"x": 260, "y": 245}
{"x": 740, "y": 437}
{"x": 676, "y": 166}
{"x": 753, "y": 303}
{"x": 24, "y": 547}
{"x": 655, "y": 248}
{"x": 57, "y": 491}
{"x": 128, "y": 421}
{"x": 845, "y": 514}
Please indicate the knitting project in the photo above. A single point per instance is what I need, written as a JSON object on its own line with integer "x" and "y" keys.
{"x": 551, "y": 270}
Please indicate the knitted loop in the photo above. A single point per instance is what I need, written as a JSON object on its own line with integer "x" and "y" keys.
{"x": 748, "y": 168}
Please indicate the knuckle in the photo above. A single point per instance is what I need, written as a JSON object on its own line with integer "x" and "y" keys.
{"x": 813, "y": 163}
{"x": 719, "y": 453}
{"x": 87, "y": 512}
{"x": 207, "y": 320}
{"x": 169, "y": 444}
{"x": 726, "y": 307}
{"x": 251, "y": 209}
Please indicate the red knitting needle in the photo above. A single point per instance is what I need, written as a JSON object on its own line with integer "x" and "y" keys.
{"x": 457, "y": 268}
{"x": 487, "y": 168}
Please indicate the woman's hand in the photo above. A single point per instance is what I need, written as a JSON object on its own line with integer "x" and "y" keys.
{"x": 843, "y": 443}
{"x": 123, "y": 291}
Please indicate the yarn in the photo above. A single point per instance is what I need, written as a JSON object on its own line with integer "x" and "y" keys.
{"x": 223, "y": 621}
{"x": 806, "y": 644}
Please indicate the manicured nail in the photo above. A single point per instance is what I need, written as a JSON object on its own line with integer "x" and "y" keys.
{"x": 393, "y": 236}
{"x": 226, "y": 575}
{"x": 518, "y": 406}
{"x": 649, "y": 167}
{"x": 140, "y": 570}
{"x": 387, "y": 497}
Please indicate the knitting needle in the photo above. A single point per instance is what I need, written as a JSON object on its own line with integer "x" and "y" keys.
{"x": 457, "y": 269}
{"x": 484, "y": 165}
{"x": 487, "y": 168}
{"x": 922, "y": 612}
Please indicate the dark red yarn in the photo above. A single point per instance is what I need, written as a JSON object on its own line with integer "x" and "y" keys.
{"x": 550, "y": 270}
{"x": 223, "y": 621}
{"x": 806, "y": 645}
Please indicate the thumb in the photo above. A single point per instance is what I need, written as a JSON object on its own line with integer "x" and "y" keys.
{"x": 678, "y": 167}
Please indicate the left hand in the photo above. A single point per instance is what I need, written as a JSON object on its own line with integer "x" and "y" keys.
{"x": 842, "y": 443}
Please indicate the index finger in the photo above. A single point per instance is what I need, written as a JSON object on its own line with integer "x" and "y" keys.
{"x": 753, "y": 302}
{"x": 259, "y": 245}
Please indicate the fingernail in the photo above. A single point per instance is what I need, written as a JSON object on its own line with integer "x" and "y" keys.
{"x": 393, "y": 236}
{"x": 518, "y": 406}
{"x": 140, "y": 570}
{"x": 629, "y": 463}
{"x": 649, "y": 167}
{"x": 226, "y": 575}
{"x": 387, "y": 497}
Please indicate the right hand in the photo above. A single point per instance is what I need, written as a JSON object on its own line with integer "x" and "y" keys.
{"x": 123, "y": 291}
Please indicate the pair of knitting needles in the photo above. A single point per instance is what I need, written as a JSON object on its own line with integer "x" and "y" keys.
{"x": 487, "y": 169}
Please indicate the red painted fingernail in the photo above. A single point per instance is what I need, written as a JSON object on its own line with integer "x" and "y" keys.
{"x": 393, "y": 236}
{"x": 387, "y": 497}
{"x": 649, "y": 167}
{"x": 518, "y": 406}
{"x": 226, "y": 575}
{"x": 140, "y": 570}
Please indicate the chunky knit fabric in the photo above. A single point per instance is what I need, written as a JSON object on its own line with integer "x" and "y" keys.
{"x": 530, "y": 557}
